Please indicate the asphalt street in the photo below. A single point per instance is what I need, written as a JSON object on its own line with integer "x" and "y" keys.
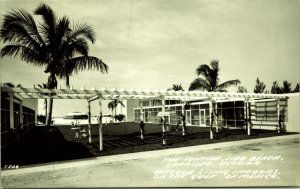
{"x": 271, "y": 163}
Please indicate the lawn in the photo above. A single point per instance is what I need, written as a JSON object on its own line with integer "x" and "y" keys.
{"x": 40, "y": 146}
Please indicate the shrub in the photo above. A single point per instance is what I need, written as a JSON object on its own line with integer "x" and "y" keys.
{"x": 120, "y": 117}
{"x": 41, "y": 118}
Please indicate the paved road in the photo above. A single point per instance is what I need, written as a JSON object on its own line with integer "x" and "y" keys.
{"x": 271, "y": 163}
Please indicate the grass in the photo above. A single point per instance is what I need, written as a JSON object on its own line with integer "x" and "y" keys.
{"x": 59, "y": 144}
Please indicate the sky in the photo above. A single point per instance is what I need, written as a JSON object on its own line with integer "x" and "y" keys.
{"x": 153, "y": 44}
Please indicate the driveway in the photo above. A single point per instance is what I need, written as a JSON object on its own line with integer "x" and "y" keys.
{"x": 274, "y": 162}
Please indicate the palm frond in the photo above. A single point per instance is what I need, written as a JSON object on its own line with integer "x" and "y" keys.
{"x": 62, "y": 30}
{"x": 83, "y": 30}
{"x": 226, "y": 84}
{"x": 24, "y": 53}
{"x": 214, "y": 74}
{"x": 48, "y": 26}
{"x": 79, "y": 46}
{"x": 203, "y": 69}
{"x": 120, "y": 102}
{"x": 199, "y": 84}
{"x": 87, "y": 63}
{"x": 19, "y": 27}
{"x": 111, "y": 105}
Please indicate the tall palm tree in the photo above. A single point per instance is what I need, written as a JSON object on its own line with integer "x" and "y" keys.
{"x": 113, "y": 105}
{"x": 62, "y": 49}
{"x": 176, "y": 88}
{"x": 208, "y": 78}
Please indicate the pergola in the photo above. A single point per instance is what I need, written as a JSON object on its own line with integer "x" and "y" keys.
{"x": 141, "y": 95}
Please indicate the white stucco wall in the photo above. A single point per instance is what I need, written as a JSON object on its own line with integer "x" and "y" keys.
{"x": 32, "y": 104}
{"x": 130, "y": 105}
{"x": 293, "y": 123}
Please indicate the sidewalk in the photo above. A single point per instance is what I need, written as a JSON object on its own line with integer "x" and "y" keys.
{"x": 139, "y": 155}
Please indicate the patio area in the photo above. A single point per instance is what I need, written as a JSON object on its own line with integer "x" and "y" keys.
{"x": 59, "y": 144}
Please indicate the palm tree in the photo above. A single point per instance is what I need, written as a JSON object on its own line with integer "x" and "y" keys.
{"x": 210, "y": 80}
{"x": 259, "y": 86}
{"x": 53, "y": 44}
{"x": 176, "y": 88}
{"x": 276, "y": 89}
{"x": 286, "y": 88}
{"x": 113, "y": 105}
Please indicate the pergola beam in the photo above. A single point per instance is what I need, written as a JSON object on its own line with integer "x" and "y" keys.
{"x": 147, "y": 93}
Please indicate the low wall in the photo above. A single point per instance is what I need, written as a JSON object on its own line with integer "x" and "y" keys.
{"x": 293, "y": 123}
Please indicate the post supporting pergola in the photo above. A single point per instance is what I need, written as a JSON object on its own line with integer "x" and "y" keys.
{"x": 249, "y": 125}
{"x": 183, "y": 119}
{"x": 89, "y": 122}
{"x": 141, "y": 119}
{"x": 216, "y": 117}
{"x": 211, "y": 116}
{"x": 100, "y": 125}
{"x": 279, "y": 126}
{"x": 246, "y": 114}
{"x": 164, "y": 132}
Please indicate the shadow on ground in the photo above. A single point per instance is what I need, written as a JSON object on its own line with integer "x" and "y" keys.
{"x": 59, "y": 144}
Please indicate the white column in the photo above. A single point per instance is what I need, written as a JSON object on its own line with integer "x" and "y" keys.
{"x": 249, "y": 118}
{"x": 210, "y": 120}
{"x": 89, "y": 119}
{"x": 216, "y": 118}
{"x": 163, "y": 123}
{"x": 183, "y": 120}
{"x": 141, "y": 119}
{"x": 246, "y": 113}
{"x": 278, "y": 116}
{"x": 11, "y": 111}
{"x": 100, "y": 126}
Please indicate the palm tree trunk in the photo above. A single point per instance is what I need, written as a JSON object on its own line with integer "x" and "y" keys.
{"x": 49, "y": 116}
{"x": 67, "y": 81}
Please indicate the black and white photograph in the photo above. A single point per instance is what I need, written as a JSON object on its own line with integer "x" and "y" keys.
{"x": 150, "y": 93}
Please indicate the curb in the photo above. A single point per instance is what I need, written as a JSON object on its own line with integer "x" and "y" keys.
{"x": 139, "y": 155}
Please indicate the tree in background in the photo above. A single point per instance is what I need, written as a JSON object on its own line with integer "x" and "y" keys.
{"x": 259, "y": 86}
{"x": 208, "y": 78}
{"x": 113, "y": 106}
{"x": 242, "y": 89}
{"x": 276, "y": 89}
{"x": 176, "y": 88}
{"x": 286, "y": 88}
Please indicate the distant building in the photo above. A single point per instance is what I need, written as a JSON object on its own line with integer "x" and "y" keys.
{"x": 230, "y": 112}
